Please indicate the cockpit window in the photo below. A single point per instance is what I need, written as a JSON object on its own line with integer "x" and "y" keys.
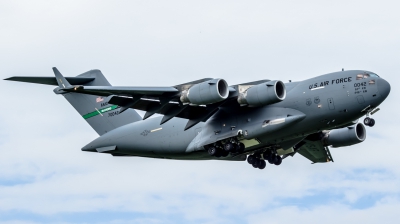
{"x": 374, "y": 75}
{"x": 366, "y": 75}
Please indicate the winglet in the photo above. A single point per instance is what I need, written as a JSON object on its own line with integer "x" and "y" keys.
{"x": 62, "y": 82}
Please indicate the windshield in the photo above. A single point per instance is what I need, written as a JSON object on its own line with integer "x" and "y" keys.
{"x": 366, "y": 75}
{"x": 373, "y": 75}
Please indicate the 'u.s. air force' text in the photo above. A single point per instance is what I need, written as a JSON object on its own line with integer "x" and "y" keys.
{"x": 326, "y": 83}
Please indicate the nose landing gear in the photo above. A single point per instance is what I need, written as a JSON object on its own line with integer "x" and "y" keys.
{"x": 369, "y": 121}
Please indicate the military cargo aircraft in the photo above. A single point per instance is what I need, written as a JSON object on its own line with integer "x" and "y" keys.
{"x": 265, "y": 120}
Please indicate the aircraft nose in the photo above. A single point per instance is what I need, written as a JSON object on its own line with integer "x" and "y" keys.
{"x": 383, "y": 88}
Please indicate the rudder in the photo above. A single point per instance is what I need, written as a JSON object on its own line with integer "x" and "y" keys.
{"x": 100, "y": 115}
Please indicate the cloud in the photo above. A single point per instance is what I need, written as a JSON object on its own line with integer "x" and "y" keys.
{"x": 331, "y": 213}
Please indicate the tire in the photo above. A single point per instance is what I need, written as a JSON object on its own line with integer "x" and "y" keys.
{"x": 235, "y": 148}
{"x": 224, "y": 153}
{"x": 212, "y": 151}
{"x": 278, "y": 160}
{"x": 241, "y": 148}
{"x": 250, "y": 159}
{"x": 219, "y": 153}
{"x": 228, "y": 147}
{"x": 367, "y": 120}
{"x": 256, "y": 163}
{"x": 266, "y": 155}
{"x": 271, "y": 159}
{"x": 371, "y": 122}
{"x": 262, "y": 164}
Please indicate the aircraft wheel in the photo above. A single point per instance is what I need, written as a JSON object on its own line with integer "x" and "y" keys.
{"x": 212, "y": 151}
{"x": 371, "y": 122}
{"x": 262, "y": 164}
{"x": 271, "y": 159}
{"x": 250, "y": 159}
{"x": 224, "y": 153}
{"x": 278, "y": 160}
{"x": 240, "y": 148}
{"x": 228, "y": 147}
{"x": 266, "y": 155}
{"x": 256, "y": 163}
{"x": 234, "y": 148}
{"x": 367, "y": 120}
{"x": 219, "y": 153}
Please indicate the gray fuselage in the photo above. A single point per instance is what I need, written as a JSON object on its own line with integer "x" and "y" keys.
{"x": 321, "y": 103}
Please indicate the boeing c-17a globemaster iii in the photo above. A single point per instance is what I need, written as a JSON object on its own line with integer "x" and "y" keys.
{"x": 265, "y": 120}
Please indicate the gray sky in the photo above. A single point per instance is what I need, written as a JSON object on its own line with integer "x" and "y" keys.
{"x": 44, "y": 176}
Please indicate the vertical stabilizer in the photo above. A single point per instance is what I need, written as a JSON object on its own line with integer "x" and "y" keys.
{"x": 103, "y": 117}
{"x": 62, "y": 82}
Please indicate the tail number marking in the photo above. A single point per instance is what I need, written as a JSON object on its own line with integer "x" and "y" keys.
{"x": 114, "y": 113}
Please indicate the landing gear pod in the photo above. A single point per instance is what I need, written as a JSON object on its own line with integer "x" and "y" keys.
{"x": 263, "y": 94}
{"x": 208, "y": 92}
{"x": 346, "y": 136}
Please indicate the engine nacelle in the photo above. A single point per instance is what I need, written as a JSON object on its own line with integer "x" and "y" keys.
{"x": 207, "y": 92}
{"x": 263, "y": 94}
{"x": 346, "y": 136}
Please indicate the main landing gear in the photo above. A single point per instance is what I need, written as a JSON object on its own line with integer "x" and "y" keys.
{"x": 223, "y": 148}
{"x": 258, "y": 161}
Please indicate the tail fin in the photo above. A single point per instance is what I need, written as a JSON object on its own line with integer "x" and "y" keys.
{"x": 103, "y": 117}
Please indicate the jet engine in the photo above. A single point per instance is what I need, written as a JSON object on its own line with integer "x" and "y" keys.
{"x": 208, "y": 92}
{"x": 345, "y": 136}
{"x": 263, "y": 94}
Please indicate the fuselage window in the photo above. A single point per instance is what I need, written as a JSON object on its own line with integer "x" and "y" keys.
{"x": 360, "y": 76}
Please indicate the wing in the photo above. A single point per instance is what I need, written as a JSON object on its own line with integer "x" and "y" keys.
{"x": 161, "y": 100}
{"x": 170, "y": 108}
{"x": 315, "y": 151}
{"x": 121, "y": 90}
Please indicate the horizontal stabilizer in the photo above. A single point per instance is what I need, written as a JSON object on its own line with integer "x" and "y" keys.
{"x": 121, "y": 90}
{"x": 50, "y": 80}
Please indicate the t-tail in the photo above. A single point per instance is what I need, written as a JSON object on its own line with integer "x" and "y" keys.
{"x": 100, "y": 115}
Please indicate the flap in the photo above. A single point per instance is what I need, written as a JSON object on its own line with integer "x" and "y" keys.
{"x": 315, "y": 151}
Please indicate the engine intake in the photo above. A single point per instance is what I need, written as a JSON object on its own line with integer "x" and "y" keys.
{"x": 346, "y": 136}
{"x": 263, "y": 94}
{"x": 208, "y": 92}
